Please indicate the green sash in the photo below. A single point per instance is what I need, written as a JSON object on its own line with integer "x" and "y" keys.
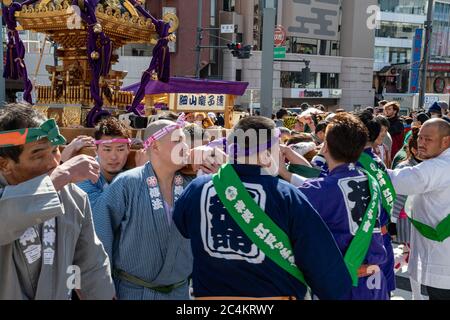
{"x": 255, "y": 223}
{"x": 304, "y": 171}
{"x": 388, "y": 194}
{"x": 438, "y": 234}
{"x": 271, "y": 239}
{"x": 357, "y": 251}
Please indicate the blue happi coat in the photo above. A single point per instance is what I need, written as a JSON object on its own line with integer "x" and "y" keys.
{"x": 94, "y": 190}
{"x": 341, "y": 199}
{"x": 388, "y": 266}
{"x": 139, "y": 236}
{"x": 227, "y": 263}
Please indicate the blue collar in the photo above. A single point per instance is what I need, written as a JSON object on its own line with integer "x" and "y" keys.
{"x": 247, "y": 169}
{"x": 346, "y": 167}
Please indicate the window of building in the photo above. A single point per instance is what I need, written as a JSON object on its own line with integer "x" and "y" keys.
{"x": 229, "y": 5}
{"x": 302, "y": 45}
{"x": 213, "y": 13}
{"x": 399, "y": 55}
{"x": 329, "y": 80}
{"x": 381, "y": 55}
{"x": 238, "y": 75}
{"x": 136, "y": 50}
{"x": 316, "y": 81}
{"x": 397, "y": 30}
{"x": 403, "y": 6}
{"x": 312, "y": 46}
{"x": 440, "y": 49}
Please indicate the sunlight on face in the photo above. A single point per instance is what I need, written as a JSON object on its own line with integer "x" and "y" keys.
{"x": 173, "y": 149}
{"x": 113, "y": 156}
{"x": 430, "y": 143}
{"x": 37, "y": 158}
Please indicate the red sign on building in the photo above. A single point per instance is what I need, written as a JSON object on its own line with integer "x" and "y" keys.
{"x": 439, "y": 67}
{"x": 280, "y": 36}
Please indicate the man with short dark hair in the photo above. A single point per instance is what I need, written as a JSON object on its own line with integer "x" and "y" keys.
{"x": 381, "y": 149}
{"x": 319, "y": 134}
{"x": 305, "y": 106}
{"x": 113, "y": 143}
{"x": 43, "y": 245}
{"x": 382, "y": 103}
{"x": 253, "y": 235}
{"x": 351, "y": 207}
{"x": 281, "y": 114}
{"x": 375, "y": 166}
{"x": 429, "y": 184}
{"x": 396, "y": 128}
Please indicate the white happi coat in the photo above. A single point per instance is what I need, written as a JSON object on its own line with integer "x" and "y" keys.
{"x": 429, "y": 184}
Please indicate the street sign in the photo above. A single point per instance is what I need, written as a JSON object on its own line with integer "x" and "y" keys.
{"x": 416, "y": 61}
{"x": 279, "y": 36}
{"x": 227, "y": 28}
{"x": 279, "y": 53}
{"x": 429, "y": 100}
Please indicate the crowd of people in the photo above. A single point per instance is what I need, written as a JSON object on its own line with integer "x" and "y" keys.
{"x": 299, "y": 206}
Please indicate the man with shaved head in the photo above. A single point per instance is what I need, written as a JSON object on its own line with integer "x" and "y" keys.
{"x": 149, "y": 257}
{"x": 429, "y": 185}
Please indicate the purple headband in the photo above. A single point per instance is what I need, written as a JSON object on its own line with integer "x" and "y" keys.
{"x": 235, "y": 150}
{"x": 127, "y": 141}
{"x": 165, "y": 131}
{"x": 218, "y": 143}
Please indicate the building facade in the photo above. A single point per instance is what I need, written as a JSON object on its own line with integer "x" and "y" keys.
{"x": 332, "y": 35}
{"x": 394, "y": 63}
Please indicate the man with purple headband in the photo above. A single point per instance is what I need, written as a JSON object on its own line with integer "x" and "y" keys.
{"x": 254, "y": 235}
{"x": 349, "y": 203}
{"x": 113, "y": 147}
{"x": 149, "y": 257}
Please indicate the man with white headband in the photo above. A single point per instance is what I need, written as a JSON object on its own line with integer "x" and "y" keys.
{"x": 113, "y": 147}
{"x": 254, "y": 236}
{"x": 48, "y": 246}
{"x": 150, "y": 259}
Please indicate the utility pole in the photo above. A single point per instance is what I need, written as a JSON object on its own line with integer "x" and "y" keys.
{"x": 426, "y": 53}
{"x": 2, "y": 80}
{"x": 267, "y": 62}
{"x": 199, "y": 36}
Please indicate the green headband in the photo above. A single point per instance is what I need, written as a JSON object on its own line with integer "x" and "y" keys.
{"x": 49, "y": 129}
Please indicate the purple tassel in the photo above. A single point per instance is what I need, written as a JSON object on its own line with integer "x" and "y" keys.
{"x": 100, "y": 66}
{"x": 160, "y": 63}
{"x": 15, "y": 67}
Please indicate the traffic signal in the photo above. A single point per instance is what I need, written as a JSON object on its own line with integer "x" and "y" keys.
{"x": 246, "y": 52}
{"x": 306, "y": 74}
{"x": 302, "y": 77}
{"x": 239, "y": 51}
{"x": 234, "y": 47}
